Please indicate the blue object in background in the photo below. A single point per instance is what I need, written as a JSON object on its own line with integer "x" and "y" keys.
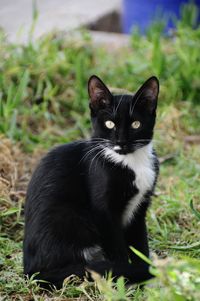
{"x": 141, "y": 13}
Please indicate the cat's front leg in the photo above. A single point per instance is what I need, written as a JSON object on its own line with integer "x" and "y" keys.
{"x": 112, "y": 236}
{"x": 136, "y": 236}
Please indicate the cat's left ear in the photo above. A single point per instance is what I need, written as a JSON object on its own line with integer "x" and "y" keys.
{"x": 100, "y": 96}
{"x": 147, "y": 95}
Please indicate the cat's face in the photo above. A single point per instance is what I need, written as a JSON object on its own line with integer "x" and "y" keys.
{"x": 123, "y": 123}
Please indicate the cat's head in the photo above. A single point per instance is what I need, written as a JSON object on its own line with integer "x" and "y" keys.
{"x": 125, "y": 121}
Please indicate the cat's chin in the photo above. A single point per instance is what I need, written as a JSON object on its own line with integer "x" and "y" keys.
{"x": 123, "y": 152}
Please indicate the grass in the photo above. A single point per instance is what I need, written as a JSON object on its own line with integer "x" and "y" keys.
{"x": 43, "y": 102}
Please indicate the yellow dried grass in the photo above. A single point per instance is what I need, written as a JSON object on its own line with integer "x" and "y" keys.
{"x": 15, "y": 169}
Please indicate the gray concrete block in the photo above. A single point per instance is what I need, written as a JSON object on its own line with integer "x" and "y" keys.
{"x": 65, "y": 15}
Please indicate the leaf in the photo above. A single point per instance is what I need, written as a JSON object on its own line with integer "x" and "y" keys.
{"x": 10, "y": 211}
{"x": 141, "y": 255}
{"x": 196, "y": 213}
{"x": 185, "y": 248}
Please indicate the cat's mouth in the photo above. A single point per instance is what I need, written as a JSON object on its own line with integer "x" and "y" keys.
{"x": 122, "y": 150}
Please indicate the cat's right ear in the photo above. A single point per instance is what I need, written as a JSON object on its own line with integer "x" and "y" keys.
{"x": 100, "y": 96}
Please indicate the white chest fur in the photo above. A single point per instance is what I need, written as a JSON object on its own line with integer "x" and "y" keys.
{"x": 141, "y": 162}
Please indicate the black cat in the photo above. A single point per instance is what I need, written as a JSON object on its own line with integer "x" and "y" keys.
{"x": 87, "y": 200}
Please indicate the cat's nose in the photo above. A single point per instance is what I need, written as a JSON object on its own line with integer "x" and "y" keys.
{"x": 121, "y": 143}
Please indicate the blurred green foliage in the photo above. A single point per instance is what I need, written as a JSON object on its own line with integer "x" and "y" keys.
{"x": 43, "y": 85}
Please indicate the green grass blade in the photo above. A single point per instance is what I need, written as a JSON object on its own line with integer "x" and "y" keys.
{"x": 196, "y": 213}
{"x": 185, "y": 248}
{"x": 141, "y": 255}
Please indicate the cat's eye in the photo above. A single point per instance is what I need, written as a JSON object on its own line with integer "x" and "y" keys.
{"x": 109, "y": 124}
{"x": 136, "y": 124}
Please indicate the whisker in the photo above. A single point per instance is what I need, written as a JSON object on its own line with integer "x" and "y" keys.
{"x": 140, "y": 140}
{"x": 89, "y": 152}
{"x": 145, "y": 140}
{"x": 115, "y": 109}
{"x": 95, "y": 157}
{"x": 99, "y": 139}
{"x": 109, "y": 112}
{"x": 133, "y": 106}
{"x": 101, "y": 143}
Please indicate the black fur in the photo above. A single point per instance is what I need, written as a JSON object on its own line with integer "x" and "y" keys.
{"x": 76, "y": 197}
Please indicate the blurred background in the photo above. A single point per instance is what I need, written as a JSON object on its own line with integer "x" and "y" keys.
{"x": 109, "y": 16}
{"x": 48, "y": 50}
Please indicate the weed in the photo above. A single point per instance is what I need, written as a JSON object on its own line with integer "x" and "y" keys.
{"x": 43, "y": 102}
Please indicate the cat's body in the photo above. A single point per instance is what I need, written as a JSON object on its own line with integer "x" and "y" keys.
{"x": 87, "y": 200}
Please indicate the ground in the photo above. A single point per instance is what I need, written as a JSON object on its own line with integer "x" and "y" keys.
{"x": 44, "y": 102}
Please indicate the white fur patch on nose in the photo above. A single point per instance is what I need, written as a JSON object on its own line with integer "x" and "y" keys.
{"x": 117, "y": 147}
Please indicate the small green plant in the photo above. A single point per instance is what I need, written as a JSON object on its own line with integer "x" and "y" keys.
{"x": 44, "y": 101}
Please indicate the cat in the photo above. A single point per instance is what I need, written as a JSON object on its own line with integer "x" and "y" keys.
{"x": 87, "y": 200}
